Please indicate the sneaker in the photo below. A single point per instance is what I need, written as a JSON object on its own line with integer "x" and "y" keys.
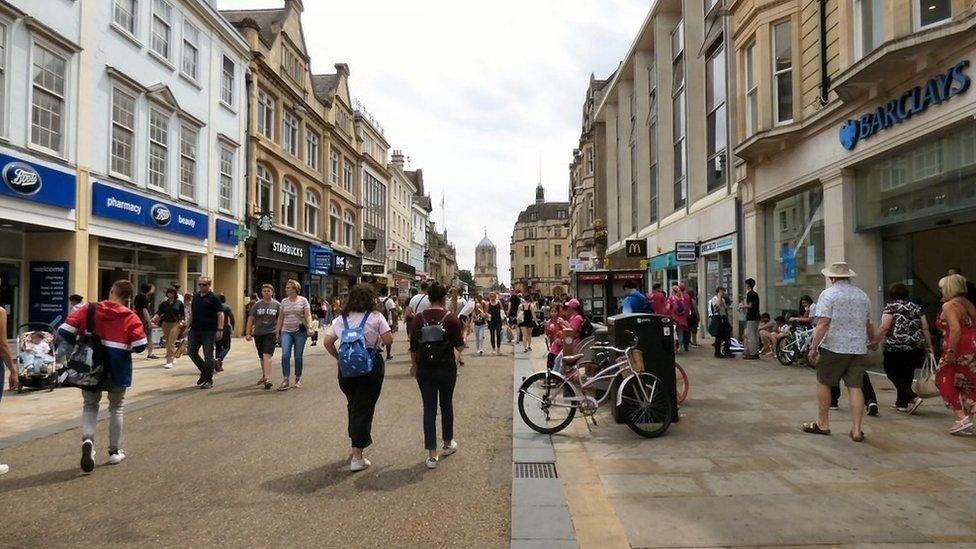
{"x": 481, "y": 352}
{"x": 116, "y": 458}
{"x": 961, "y": 426}
{"x": 449, "y": 448}
{"x": 834, "y": 407}
{"x": 87, "y": 455}
{"x": 4, "y": 468}
{"x": 268, "y": 385}
{"x": 206, "y": 385}
{"x": 873, "y": 410}
{"x": 914, "y": 405}
{"x": 200, "y": 380}
{"x": 297, "y": 385}
{"x": 431, "y": 463}
{"x": 168, "y": 365}
{"x": 358, "y": 464}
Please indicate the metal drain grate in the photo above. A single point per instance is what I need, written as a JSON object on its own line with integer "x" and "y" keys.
{"x": 535, "y": 470}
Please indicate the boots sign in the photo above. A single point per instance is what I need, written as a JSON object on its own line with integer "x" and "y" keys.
{"x": 938, "y": 89}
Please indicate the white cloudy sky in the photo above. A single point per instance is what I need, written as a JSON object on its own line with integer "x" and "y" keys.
{"x": 474, "y": 93}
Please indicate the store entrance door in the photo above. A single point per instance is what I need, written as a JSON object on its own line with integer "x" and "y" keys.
{"x": 10, "y": 296}
{"x": 920, "y": 259}
{"x": 107, "y": 277}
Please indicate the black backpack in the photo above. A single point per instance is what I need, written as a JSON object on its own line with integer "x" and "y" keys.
{"x": 86, "y": 359}
{"x": 435, "y": 351}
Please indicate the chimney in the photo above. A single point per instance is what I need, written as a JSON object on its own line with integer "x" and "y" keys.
{"x": 342, "y": 69}
{"x": 295, "y": 5}
{"x": 397, "y": 158}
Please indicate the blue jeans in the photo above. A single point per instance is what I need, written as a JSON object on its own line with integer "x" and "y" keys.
{"x": 437, "y": 384}
{"x": 292, "y": 341}
{"x": 479, "y": 336}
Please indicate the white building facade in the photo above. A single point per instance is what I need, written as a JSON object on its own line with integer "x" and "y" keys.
{"x": 421, "y": 208}
{"x": 400, "y": 228}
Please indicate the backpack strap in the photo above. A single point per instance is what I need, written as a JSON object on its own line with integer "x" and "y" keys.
{"x": 363, "y": 323}
{"x": 90, "y": 318}
{"x": 345, "y": 323}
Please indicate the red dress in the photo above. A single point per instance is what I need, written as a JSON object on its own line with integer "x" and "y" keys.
{"x": 957, "y": 378}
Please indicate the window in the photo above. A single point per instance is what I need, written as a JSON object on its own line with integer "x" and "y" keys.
{"x": 589, "y": 161}
{"x": 289, "y": 204}
{"x": 311, "y": 213}
{"x": 557, "y": 250}
{"x": 527, "y": 271}
{"x": 312, "y": 149}
{"x": 162, "y": 15}
{"x": 334, "y": 167}
{"x": 225, "y": 188}
{"x": 188, "y": 161}
{"x": 526, "y": 251}
{"x": 348, "y": 227}
{"x": 289, "y": 133}
{"x": 716, "y": 121}
{"x": 347, "y": 176}
{"x": 124, "y": 15}
{"x": 265, "y": 190}
{"x": 334, "y": 223}
{"x": 652, "y": 144}
{"x": 557, "y": 270}
{"x": 292, "y": 65}
{"x": 678, "y": 115}
{"x": 266, "y": 114}
{"x": 868, "y": 25}
{"x": 533, "y": 250}
{"x": 48, "y": 99}
{"x": 228, "y": 81}
{"x": 532, "y": 270}
{"x": 123, "y": 132}
{"x": 191, "y": 50}
{"x": 158, "y": 148}
{"x": 783, "y": 73}
{"x": 752, "y": 91}
{"x": 932, "y": 12}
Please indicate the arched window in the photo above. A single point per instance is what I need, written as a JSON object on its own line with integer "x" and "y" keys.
{"x": 311, "y": 213}
{"x": 289, "y": 204}
{"x": 348, "y": 222}
{"x": 265, "y": 190}
{"x": 334, "y": 222}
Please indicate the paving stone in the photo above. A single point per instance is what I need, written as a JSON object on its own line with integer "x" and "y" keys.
{"x": 749, "y": 483}
{"x": 543, "y": 544}
{"x": 541, "y": 523}
{"x": 650, "y": 485}
{"x": 537, "y": 491}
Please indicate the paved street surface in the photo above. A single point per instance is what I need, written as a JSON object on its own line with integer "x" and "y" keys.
{"x": 240, "y": 466}
{"x": 737, "y": 470}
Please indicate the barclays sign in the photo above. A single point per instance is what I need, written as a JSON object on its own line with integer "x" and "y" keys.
{"x": 938, "y": 89}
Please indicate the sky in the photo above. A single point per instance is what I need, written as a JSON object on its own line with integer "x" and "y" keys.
{"x": 478, "y": 95}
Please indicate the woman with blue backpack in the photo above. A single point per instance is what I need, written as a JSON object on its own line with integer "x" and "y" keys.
{"x": 361, "y": 332}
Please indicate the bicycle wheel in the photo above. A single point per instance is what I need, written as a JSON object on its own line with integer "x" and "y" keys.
{"x": 592, "y": 369}
{"x": 645, "y": 405}
{"x": 546, "y": 402}
{"x": 682, "y": 380}
{"x": 785, "y": 352}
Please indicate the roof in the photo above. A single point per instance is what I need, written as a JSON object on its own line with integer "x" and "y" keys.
{"x": 424, "y": 202}
{"x": 485, "y": 242}
{"x": 417, "y": 178}
{"x": 545, "y": 211}
{"x": 324, "y": 85}
{"x": 268, "y": 21}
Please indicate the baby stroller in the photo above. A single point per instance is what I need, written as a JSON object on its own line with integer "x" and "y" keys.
{"x": 36, "y": 371}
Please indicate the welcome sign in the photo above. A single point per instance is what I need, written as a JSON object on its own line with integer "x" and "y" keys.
{"x": 938, "y": 89}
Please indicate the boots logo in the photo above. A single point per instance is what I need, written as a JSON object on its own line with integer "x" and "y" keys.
{"x": 22, "y": 178}
{"x": 161, "y": 215}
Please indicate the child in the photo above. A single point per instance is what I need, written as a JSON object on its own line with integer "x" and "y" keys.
{"x": 36, "y": 353}
{"x": 767, "y": 328}
{"x": 313, "y": 330}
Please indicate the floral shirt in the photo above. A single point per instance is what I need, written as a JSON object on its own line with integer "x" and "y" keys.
{"x": 905, "y": 333}
{"x": 847, "y": 307}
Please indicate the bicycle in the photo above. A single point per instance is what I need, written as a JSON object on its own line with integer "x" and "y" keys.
{"x": 554, "y": 398}
{"x": 795, "y": 346}
{"x": 602, "y": 357}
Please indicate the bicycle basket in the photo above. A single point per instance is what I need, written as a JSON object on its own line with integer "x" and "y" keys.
{"x": 637, "y": 360}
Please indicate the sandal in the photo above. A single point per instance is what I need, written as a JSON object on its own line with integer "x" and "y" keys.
{"x": 284, "y": 386}
{"x": 859, "y": 438}
{"x": 268, "y": 384}
{"x": 814, "y": 428}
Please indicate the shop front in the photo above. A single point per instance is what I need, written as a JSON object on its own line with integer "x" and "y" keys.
{"x": 319, "y": 268}
{"x": 795, "y": 250}
{"x": 145, "y": 240}
{"x": 403, "y": 276}
{"x": 717, "y": 261}
{"x": 279, "y": 258}
{"x": 668, "y": 269}
{"x": 374, "y": 273}
{"x": 601, "y": 293}
{"x": 346, "y": 271}
{"x": 38, "y": 248}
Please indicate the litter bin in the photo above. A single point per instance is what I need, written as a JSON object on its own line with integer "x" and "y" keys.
{"x": 655, "y": 339}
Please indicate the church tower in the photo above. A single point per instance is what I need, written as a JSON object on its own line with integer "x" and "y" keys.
{"x": 485, "y": 265}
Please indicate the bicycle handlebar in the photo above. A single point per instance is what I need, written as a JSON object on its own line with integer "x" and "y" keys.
{"x": 611, "y": 348}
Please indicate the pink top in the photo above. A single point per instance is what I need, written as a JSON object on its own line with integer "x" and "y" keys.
{"x": 375, "y": 327}
{"x": 680, "y": 318}
{"x": 659, "y": 303}
{"x": 555, "y": 332}
{"x": 576, "y": 323}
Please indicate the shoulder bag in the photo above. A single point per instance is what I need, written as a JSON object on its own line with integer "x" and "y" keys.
{"x": 924, "y": 385}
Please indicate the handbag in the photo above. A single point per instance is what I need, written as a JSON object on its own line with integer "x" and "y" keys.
{"x": 924, "y": 385}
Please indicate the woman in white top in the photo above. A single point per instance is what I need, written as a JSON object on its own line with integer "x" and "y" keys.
{"x": 361, "y": 392}
{"x": 293, "y": 323}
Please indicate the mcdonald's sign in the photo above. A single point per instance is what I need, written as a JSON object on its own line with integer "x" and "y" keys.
{"x": 637, "y": 248}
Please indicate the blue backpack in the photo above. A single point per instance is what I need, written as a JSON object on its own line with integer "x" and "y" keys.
{"x": 355, "y": 359}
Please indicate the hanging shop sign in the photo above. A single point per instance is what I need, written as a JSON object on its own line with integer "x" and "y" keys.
{"x": 686, "y": 251}
{"x": 113, "y": 203}
{"x": 37, "y": 183}
{"x": 917, "y": 100}
{"x": 371, "y": 269}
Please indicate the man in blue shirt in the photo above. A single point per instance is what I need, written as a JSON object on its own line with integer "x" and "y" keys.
{"x": 635, "y": 301}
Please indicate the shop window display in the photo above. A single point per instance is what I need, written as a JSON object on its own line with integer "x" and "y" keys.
{"x": 794, "y": 252}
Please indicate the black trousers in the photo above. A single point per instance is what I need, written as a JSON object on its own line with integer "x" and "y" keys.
{"x": 361, "y": 395}
{"x": 437, "y": 386}
{"x": 723, "y": 340}
{"x": 495, "y": 331}
{"x": 869, "y": 395}
{"x": 195, "y": 341}
{"x": 900, "y": 367}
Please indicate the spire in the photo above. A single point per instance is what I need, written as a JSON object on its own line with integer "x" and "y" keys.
{"x": 540, "y": 194}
